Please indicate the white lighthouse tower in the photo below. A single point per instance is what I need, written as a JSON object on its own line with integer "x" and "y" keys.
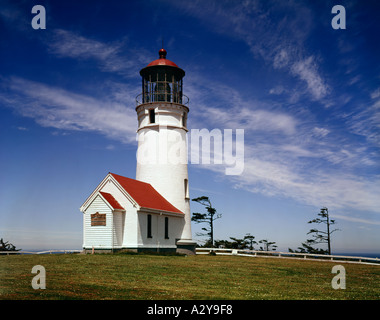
{"x": 162, "y": 110}
{"x": 151, "y": 212}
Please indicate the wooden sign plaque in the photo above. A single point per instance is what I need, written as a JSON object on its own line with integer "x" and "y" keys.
{"x": 98, "y": 219}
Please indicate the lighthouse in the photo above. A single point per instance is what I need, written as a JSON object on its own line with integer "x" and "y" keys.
{"x": 162, "y": 110}
{"x": 152, "y": 211}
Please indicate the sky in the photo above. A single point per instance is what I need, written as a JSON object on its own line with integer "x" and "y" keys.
{"x": 306, "y": 95}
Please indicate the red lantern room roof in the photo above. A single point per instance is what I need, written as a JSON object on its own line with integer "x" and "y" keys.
{"x": 162, "y": 61}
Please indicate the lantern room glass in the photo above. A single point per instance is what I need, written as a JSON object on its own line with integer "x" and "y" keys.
{"x": 162, "y": 86}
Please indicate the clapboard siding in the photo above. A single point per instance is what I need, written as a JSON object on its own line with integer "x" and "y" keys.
{"x": 118, "y": 228}
{"x": 98, "y": 236}
{"x": 158, "y": 230}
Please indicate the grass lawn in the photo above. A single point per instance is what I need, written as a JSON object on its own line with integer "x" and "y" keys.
{"x": 126, "y": 276}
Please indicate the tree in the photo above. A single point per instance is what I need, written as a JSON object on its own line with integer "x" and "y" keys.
{"x": 238, "y": 243}
{"x": 223, "y": 244}
{"x": 267, "y": 245}
{"x": 6, "y": 246}
{"x": 319, "y": 236}
{"x": 249, "y": 238}
{"x": 307, "y": 248}
{"x": 207, "y": 218}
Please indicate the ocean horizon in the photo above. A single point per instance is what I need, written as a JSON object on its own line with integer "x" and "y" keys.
{"x": 366, "y": 255}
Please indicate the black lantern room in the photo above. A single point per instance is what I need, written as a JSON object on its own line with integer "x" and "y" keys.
{"x": 162, "y": 82}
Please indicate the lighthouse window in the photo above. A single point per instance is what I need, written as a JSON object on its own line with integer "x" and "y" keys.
{"x": 149, "y": 226}
{"x": 152, "y": 116}
{"x": 186, "y": 182}
{"x": 166, "y": 228}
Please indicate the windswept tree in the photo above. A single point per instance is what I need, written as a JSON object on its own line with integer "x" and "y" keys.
{"x": 249, "y": 239}
{"x": 322, "y": 236}
{"x": 236, "y": 243}
{"x": 267, "y": 245}
{"x": 208, "y": 218}
{"x": 319, "y": 236}
{"x": 307, "y": 248}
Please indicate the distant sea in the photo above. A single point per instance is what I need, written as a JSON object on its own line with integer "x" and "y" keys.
{"x": 53, "y": 251}
{"x": 367, "y": 255}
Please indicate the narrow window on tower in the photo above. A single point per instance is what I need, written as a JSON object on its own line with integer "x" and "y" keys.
{"x": 149, "y": 226}
{"x": 166, "y": 228}
{"x": 152, "y": 116}
{"x": 186, "y": 183}
{"x": 184, "y": 120}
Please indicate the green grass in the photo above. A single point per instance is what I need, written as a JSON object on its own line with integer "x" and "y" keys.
{"x": 124, "y": 276}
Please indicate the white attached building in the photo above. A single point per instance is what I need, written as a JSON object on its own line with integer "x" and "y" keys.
{"x": 123, "y": 213}
{"x": 152, "y": 212}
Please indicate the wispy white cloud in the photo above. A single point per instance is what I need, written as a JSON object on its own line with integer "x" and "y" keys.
{"x": 320, "y": 132}
{"x": 355, "y": 219}
{"x": 366, "y": 122}
{"x": 277, "y": 90}
{"x": 253, "y": 119}
{"x": 375, "y": 94}
{"x": 307, "y": 71}
{"x": 69, "y": 44}
{"x": 278, "y": 42}
{"x": 114, "y": 57}
{"x": 61, "y": 109}
{"x": 269, "y": 174}
{"x": 222, "y": 106}
{"x": 288, "y": 155}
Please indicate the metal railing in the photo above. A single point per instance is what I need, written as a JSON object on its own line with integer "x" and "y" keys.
{"x": 155, "y": 97}
{"x": 52, "y": 251}
{"x": 289, "y": 255}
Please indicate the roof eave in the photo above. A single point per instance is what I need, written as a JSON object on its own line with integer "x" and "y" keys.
{"x": 161, "y": 212}
{"x": 175, "y": 69}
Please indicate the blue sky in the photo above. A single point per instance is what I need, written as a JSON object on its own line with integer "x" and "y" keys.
{"x": 306, "y": 95}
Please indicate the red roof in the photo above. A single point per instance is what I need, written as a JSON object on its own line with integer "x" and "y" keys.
{"x": 162, "y": 61}
{"x": 145, "y": 195}
{"x": 111, "y": 200}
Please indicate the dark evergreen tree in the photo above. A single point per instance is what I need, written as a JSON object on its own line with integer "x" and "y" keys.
{"x": 208, "y": 218}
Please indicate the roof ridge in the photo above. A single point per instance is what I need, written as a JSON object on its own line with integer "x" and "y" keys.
{"x": 145, "y": 195}
{"x": 118, "y": 175}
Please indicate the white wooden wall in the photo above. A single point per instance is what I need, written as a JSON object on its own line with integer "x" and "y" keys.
{"x": 129, "y": 220}
{"x": 158, "y": 231}
{"x": 118, "y": 229}
{"x": 103, "y": 236}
